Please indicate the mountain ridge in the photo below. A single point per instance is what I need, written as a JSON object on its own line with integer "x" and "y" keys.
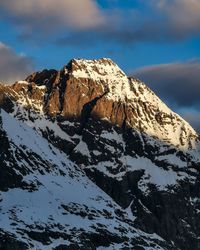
{"x": 62, "y": 86}
{"x": 125, "y": 139}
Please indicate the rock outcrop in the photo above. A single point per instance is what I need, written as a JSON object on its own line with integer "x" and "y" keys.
{"x": 128, "y": 142}
{"x": 100, "y": 87}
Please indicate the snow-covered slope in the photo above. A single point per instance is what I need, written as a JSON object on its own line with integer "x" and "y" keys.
{"x": 54, "y": 203}
{"x": 119, "y": 99}
{"x": 128, "y": 142}
{"x": 149, "y": 113}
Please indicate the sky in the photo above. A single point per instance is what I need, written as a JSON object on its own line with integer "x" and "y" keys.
{"x": 157, "y": 41}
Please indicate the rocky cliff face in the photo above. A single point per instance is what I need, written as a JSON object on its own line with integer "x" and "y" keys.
{"x": 104, "y": 91}
{"x": 128, "y": 142}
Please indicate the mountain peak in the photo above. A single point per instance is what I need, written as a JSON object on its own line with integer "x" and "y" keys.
{"x": 128, "y": 142}
{"x": 99, "y": 88}
{"x": 96, "y": 69}
{"x": 100, "y": 61}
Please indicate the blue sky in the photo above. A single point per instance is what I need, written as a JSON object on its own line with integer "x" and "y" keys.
{"x": 154, "y": 40}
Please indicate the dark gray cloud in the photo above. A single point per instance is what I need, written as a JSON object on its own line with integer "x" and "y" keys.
{"x": 178, "y": 83}
{"x": 193, "y": 118}
{"x": 13, "y": 67}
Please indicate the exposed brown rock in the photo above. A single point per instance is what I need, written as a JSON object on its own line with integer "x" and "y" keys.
{"x": 63, "y": 94}
{"x": 87, "y": 101}
{"x": 78, "y": 92}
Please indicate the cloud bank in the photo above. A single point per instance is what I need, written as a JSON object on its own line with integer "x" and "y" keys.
{"x": 48, "y": 15}
{"x": 13, "y": 67}
{"x": 182, "y": 15}
{"x": 154, "y": 20}
{"x": 193, "y": 118}
{"x": 179, "y": 82}
{"x": 157, "y": 21}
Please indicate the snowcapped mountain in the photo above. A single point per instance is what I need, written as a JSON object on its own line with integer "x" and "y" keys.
{"x": 136, "y": 151}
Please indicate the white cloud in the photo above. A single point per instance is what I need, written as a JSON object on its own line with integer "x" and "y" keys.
{"x": 13, "y": 67}
{"x": 78, "y": 14}
{"x": 154, "y": 20}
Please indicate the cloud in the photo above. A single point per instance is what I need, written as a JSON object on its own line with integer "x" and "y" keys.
{"x": 75, "y": 22}
{"x": 49, "y": 15}
{"x": 156, "y": 21}
{"x": 177, "y": 83}
{"x": 193, "y": 118}
{"x": 182, "y": 16}
{"x": 13, "y": 67}
{"x": 168, "y": 20}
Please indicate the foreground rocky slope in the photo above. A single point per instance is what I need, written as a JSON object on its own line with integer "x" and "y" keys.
{"x": 124, "y": 137}
{"x": 47, "y": 202}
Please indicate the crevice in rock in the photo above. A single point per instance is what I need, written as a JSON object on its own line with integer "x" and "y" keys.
{"x": 48, "y": 82}
{"x": 62, "y": 88}
{"x": 87, "y": 110}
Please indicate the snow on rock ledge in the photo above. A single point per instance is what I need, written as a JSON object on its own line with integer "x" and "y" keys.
{"x": 99, "y": 88}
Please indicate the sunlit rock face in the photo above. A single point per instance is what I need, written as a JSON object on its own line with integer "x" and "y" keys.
{"x": 127, "y": 141}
